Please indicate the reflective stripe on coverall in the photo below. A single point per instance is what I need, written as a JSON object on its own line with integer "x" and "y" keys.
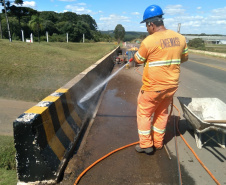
{"x": 148, "y": 103}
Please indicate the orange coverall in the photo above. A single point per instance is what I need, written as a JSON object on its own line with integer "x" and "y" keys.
{"x": 161, "y": 52}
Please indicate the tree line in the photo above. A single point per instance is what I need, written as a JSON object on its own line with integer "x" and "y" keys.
{"x": 15, "y": 18}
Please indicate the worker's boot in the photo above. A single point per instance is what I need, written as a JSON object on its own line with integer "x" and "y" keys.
{"x": 146, "y": 150}
{"x": 158, "y": 145}
{"x": 158, "y": 148}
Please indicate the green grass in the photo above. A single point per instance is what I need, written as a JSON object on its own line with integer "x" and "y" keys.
{"x": 7, "y": 161}
{"x": 8, "y": 177}
{"x": 30, "y": 72}
{"x": 221, "y": 48}
{"x": 7, "y": 153}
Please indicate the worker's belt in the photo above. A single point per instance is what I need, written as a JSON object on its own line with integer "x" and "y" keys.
{"x": 164, "y": 63}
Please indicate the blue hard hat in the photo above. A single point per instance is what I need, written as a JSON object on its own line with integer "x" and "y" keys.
{"x": 152, "y": 11}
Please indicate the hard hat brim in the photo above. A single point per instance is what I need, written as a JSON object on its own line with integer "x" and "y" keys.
{"x": 142, "y": 22}
{"x": 153, "y": 19}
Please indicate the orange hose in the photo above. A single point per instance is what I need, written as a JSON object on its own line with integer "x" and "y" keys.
{"x": 88, "y": 168}
{"x": 137, "y": 70}
{"x": 211, "y": 175}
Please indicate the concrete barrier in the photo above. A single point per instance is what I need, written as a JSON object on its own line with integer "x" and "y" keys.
{"x": 46, "y": 135}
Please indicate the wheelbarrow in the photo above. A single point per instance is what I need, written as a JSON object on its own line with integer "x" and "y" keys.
{"x": 205, "y": 114}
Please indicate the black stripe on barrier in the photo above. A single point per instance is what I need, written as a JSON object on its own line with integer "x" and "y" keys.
{"x": 54, "y": 117}
{"x": 41, "y": 135}
{"x": 50, "y": 156}
{"x": 30, "y": 140}
{"x": 67, "y": 113}
{"x": 57, "y": 126}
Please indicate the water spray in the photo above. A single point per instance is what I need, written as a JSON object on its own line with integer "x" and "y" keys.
{"x": 93, "y": 91}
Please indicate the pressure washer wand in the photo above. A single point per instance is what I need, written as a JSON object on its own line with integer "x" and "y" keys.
{"x": 130, "y": 60}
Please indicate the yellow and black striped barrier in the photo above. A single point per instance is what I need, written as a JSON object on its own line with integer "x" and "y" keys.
{"x": 46, "y": 134}
{"x": 51, "y": 128}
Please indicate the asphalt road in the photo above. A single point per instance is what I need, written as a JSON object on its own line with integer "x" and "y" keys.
{"x": 115, "y": 126}
{"x": 204, "y": 77}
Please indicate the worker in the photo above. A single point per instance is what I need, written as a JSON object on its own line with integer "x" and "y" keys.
{"x": 162, "y": 52}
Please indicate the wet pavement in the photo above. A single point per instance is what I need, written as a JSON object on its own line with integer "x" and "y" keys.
{"x": 115, "y": 126}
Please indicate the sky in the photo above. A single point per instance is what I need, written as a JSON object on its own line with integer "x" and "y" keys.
{"x": 195, "y": 16}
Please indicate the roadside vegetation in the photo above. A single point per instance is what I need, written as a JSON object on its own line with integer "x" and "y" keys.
{"x": 57, "y": 25}
{"x": 199, "y": 44}
{"x": 7, "y": 162}
{"x": 31, "y": 72}
{"x": 7, "y": 153}
{"x": 220, "y": 48}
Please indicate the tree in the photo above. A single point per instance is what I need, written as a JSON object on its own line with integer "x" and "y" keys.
{"x": 29, "y": 20}
{"x": 17, "y": 11}
{"x": 50, "y": 18}
{"x": 6, "y": 16}
{"x": 80, "y": 29}
{"x": 28, "y": 12}
{"x": 65, "y": 27}
{"x": 90, "y": 21}
{"x": 1, "y": 26}
{"x": 49, "y": 26}
{"x": 36, "y": 25}
{"x": 14, "y": 28}
{"x": 119, "y": 33}
{"x": 143, "y": 36}
{"x": 7, "y": 7}
{"x": 19, "y": 2}
{"x": 49, "y": 15}
{"x": 197, "y": 43}
{"x": 69, "y": 16}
